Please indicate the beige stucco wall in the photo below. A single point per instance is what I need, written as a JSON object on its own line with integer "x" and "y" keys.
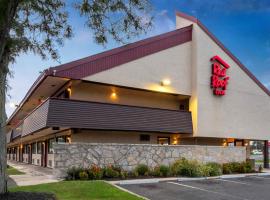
{"x": 103, "y": 93}
{"x": 25, "y": 158}
{"x": 149, "y": 71}
{"x": 117, "y": 137}
{"x": 36, "y": 158}
{"x": 50, "y": 161}
{"x": 244, "y": 112}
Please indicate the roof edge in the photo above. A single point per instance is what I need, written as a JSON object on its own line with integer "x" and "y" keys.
{"x": 37, "y": 82}
{"x": 222, "y": 46}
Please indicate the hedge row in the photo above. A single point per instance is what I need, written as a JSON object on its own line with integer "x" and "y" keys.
{"x": 181, "y": 167}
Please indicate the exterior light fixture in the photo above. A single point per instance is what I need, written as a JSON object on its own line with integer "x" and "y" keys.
{"x": 69, "y": 139}
{"x": 69, "y": 90}
{"x": 113, "y": 95}
{"x": 165, "y": 82}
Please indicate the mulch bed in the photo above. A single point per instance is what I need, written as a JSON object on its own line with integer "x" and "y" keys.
{"x": 27, "y": 196}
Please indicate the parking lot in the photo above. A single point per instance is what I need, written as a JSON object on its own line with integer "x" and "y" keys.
{"x": 248, "y": 188}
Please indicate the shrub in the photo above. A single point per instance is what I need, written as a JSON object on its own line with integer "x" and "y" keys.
{"x": 142, "y": 169}
{"x": 215, "y": 169}
{"x": 226, "y": 168}
{"x": 260, "y": 169}
{"x": 110, "y": 172}
{"x": 74, "y": 173}
{"x": 236, "y": 167}
{"x": 245, "y": 167}
{"x": 205, "y": 170}
{"x": 161, "y": 170}
{"x": 185, "y": 167}
{"x": 83, "y": 175}
{"x": 164, "y": 170}
{"x": 124, "y": 174}
{"x": 95, "y": 172}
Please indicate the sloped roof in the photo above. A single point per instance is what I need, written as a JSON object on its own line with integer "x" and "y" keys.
{"x": 195, "y": 20}
{"x": 93, "y": 64}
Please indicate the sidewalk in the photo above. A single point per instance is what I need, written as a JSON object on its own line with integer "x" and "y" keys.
{"x": 33, "y": 175}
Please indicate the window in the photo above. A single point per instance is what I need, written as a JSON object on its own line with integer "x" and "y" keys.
{"x": 144, "y": 138}
{"x": 34, "y": 148}
{"x": 164, "y": 140}
{"x": 50, "y": 145}
{"x": 39, "y": 146}
{"x": 61, "y": 139}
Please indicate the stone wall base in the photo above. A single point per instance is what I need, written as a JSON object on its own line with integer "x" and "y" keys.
{"x": 128, "y": 156}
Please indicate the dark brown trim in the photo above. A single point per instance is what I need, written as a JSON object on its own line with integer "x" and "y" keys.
{"x": 128, "y": 131}
{"x": 211, "y": 35}
{"x": 106, "y": 60}
{"x": 266, "y": 155}
{"x": 184, "y": 15}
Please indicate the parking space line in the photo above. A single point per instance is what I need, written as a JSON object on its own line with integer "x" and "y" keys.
{"x": 237, "y": 182}
{"x": 260, "y": 177}
{"x": 201, "y": 189}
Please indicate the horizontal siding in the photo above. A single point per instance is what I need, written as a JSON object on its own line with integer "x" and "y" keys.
{"x": 90, "y": 115}
{"x": 36, "y": 120}
{"x": 17, "y": 132}
{"x": 8, "y": 136}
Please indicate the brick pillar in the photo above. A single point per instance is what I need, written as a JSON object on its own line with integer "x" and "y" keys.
{"x": 266, "y": 154}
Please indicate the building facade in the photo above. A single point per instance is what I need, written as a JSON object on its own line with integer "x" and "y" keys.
{"x": 179, "y": 88}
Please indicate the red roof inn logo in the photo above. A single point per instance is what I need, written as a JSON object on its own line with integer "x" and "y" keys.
{"x": 219, "y": 80}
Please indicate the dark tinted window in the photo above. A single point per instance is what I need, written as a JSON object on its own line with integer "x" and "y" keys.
{"x": 144, "y": 137}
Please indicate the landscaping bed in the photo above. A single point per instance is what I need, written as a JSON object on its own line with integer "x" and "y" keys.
{"x": 180, "y": 168}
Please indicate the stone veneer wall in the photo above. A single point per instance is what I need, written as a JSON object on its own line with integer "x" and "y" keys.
{"x": 128, "y": 156}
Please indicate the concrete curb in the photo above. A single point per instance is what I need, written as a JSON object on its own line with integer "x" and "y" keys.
{"x": 157, "y": 180}
{"x": 125, "y": 190}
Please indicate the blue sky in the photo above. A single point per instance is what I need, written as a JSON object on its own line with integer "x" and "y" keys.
{"x": 243, "y": 26}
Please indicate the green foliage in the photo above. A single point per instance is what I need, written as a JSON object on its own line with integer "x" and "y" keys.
{"x": 74, "y": 173}
{"x": 42, "y": 26}
{"x": 204, "y": 170}
{"x": 260, "y": 169}
{"x": 236, "y": 167}
{"x": 186, "y": 167}
{"x": 215, "y": 169}
{"x": 110, "y": 172}
{"x": 142, "y": 169}
{"x": 95, "y": 172}
{"x": 131, "y": 17}
{"x": 161, "y": 171}
{"x": 78, "y": 190}
{"x": 226, "y": 168}
{"x": 83, "y": 175}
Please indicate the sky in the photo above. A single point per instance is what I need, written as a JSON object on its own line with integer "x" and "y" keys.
{"x": 243, "y": 26}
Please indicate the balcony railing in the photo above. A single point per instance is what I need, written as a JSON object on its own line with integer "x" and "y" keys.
{"x": 104, "y": 116}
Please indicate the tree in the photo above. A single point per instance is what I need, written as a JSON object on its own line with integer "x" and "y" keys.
{"x": 40, "y": 26}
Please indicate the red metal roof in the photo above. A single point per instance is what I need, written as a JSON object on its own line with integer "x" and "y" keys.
{"x": 195, "y": 20}
{"x": 115, "y": 57}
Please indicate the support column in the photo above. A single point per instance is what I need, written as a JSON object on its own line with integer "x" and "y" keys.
{"x": 266, "y": 154}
